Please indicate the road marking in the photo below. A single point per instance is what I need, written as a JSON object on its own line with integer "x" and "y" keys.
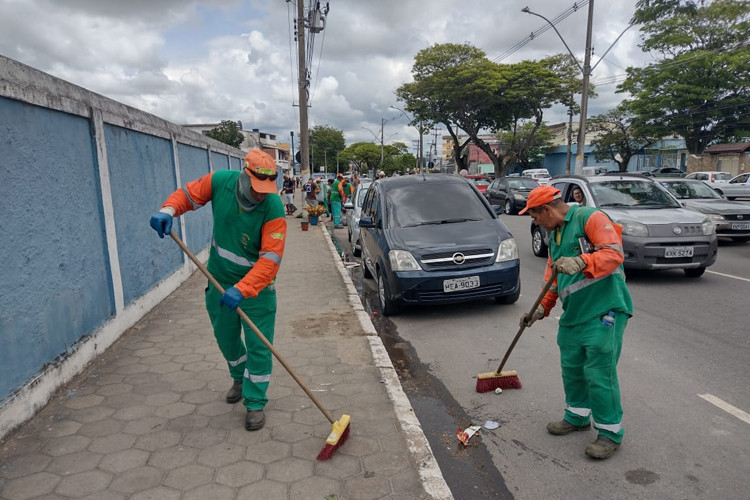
{"x": 729, "y": 276}
{"x": 732, "y": 410}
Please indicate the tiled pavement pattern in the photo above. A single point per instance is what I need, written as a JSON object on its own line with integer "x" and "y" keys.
{"x": 147, "y": 419}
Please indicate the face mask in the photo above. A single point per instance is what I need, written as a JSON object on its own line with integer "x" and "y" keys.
{"x": 244, "y": 196}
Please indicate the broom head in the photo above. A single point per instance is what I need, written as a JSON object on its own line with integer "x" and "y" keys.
{"x": 490, "y": 381}
{"x": 337, "y": 437}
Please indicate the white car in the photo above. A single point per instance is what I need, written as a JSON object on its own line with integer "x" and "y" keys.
{"x": 710, "y": 177}
{"x": 737, "y": 187}
{"x": 540, "y": 175}
{"x": 353, "y": 208}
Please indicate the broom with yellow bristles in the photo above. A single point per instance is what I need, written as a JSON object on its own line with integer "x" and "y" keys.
{"x": 339, "y": 428}
{"x": 499, "y": 379}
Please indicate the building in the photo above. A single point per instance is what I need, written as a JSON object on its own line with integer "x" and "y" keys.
{"x": 733, "y": 158}
{"x": 254, "y": 139}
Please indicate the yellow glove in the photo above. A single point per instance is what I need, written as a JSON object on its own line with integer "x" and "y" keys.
{"x": 568, "y": 265}
{"x": 527, "y": 320}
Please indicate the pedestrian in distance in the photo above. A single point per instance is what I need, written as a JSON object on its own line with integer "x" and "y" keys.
{"x": 287, "y": 190}
{"x": 311, "y": 192}
{"x": 585, "y": 250}
{"x": 338, "y": 198}
{"x": 249, "y": 232}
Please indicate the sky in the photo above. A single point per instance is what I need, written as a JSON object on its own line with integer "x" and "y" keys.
{"x": 211, "y": 60}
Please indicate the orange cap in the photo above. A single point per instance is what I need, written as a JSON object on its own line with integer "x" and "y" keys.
{"x": 541, "y": 196}
{"x": 262, "y": 171}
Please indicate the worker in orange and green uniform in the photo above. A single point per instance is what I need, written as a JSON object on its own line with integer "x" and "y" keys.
{"x": 338, "y": 198}
{"x": 249, "y": 233}
{"x": 585, "y": 250}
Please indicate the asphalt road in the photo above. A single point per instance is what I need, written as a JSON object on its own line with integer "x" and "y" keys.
{"x": 683, "y": 375}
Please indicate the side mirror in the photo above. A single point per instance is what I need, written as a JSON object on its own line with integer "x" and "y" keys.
{"x": 348, "y": 205}
{"x": 366, "y": 222}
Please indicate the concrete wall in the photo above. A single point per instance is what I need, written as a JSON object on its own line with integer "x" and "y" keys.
{"x": 80, "y": 176}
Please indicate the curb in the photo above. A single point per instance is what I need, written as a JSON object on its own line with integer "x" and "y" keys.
{"x": 429, "y": 471}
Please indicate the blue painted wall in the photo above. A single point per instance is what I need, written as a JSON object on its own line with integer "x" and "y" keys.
{"x": 57, "y": 284}
{"x": 54, "y": 284}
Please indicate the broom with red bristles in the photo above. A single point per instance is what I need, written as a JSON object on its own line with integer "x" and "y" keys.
{"x": 499, "y": 379}
{"x": 339, "y": 428}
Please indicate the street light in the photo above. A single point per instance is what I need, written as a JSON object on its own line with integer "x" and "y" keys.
{"x": 586, "y": 70}
{"x": 419, "y": 130}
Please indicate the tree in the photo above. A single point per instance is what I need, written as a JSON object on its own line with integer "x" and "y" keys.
{"x": 527, "y": 144}
{"x": 700, "y": 89}
{"x": 228, "y": 133}
{"x": 396, "y": 157}
{"x": 326, "y": 142}
{"x": 448, "y": 77}
{"x": 362, "y": 156}
{"x": 458, "y": 87}
{"x": 616, "y": 138}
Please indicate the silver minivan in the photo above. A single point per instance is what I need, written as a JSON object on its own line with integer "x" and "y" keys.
{"x": 657, "y": 232}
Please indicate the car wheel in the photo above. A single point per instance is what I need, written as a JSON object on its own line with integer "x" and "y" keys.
{"x": 356, "y": 251}
{"x": 388, "y": 307}
{"x": 741, "y": 239}
{"x": 508, "y": 207}
{"x": 509, "y": 299}
{"x": 537, "y": 242}
{"x": 695, "y": 272}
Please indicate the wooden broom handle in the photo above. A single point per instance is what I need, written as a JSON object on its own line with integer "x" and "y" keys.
{"x": 538, "y": 301}
{"x": 254, "y": 328}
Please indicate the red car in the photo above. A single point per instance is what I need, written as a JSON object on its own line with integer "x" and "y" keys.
{"x": 480, "y": 181}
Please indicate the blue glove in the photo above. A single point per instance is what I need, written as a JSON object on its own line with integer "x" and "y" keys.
{"x": 231, "y": 298}
{"x": 162, "y": 223}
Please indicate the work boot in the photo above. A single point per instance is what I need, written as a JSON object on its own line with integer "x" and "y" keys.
{"x": 254, "y": 420}
{"x": 234, "y": 393}
{"x": 603, "y": 447}
{"x": 564, "y": 427}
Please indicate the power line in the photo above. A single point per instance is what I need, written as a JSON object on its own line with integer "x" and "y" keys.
{"x": 560, "y": 17}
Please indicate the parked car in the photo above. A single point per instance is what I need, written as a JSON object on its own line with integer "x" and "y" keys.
{"x": 510, "y": 192}
{"x": 710, "y": 177}
{"x": 353, "y": 208}
{"x": 737, "y": 187}
{"x": 731, "y": 218}
{"x": 657, "y": 232}
{"x": 480, "y": 181}
{"x": 541, "y": 175}
{"x": 435, "y": 239}
{"x": 664, "y": 172}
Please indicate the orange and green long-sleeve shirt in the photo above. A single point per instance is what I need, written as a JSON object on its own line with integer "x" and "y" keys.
{"x": 246, "y": 247}
{"x": 600, "y": 287}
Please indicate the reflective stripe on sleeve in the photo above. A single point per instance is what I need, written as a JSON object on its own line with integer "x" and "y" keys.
{"x": 190, "y": 199}
{"x": 272, "y": 256}
{"x": 614, "y": 246}
{"x": 580, "y": 285}
{"x": 226, "y": 254}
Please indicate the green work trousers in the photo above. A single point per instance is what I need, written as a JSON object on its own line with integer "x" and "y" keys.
{"x": 249, "y": 361}
{"x": 588, "y": 355}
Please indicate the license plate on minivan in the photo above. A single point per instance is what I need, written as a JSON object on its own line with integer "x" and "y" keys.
{"x": 458, "y": 284}
{"x": 677, "y": 252}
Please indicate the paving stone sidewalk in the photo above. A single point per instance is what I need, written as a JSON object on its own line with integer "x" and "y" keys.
{"x": 147, "y": 419}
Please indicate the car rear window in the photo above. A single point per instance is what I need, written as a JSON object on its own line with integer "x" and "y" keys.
{"x": 434, "y": 203}
{"x": 522, "y": 183}
{"x": 631, "y": 193}
{"x": 722, "y": 176}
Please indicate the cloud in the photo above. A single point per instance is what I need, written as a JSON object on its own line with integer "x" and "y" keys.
{"x": 206, "y": 61}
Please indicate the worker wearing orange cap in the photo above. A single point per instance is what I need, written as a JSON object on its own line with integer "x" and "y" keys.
{"x": 249, "y": 232}
{"x": 585, "y": 250}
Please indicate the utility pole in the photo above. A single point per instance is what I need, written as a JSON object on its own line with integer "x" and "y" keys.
{"x": 291, "y": 135}
{"x": 382, "y": 143}
{"x": 585, "y": 93}
{"x": 304, "y": 151}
